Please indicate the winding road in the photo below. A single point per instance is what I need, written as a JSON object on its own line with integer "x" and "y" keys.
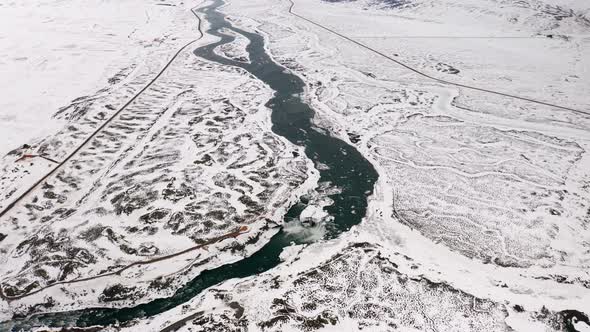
{"x": 423, "y": 74}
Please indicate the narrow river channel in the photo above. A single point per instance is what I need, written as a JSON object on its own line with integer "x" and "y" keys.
{"x": 292, "y": 118}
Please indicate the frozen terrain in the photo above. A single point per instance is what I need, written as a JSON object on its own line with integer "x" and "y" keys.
{"x": 55, "y": 51}
{"x": 358, "y": 288}
{"x": 475, "y": 115}
{"x": 186, "y": 177}
{"x": 485, "y": 194}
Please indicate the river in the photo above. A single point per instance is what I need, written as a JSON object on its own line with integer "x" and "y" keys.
{"x": 292, "y": 118}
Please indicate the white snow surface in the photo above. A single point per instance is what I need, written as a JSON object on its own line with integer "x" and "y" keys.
{"x": 190, "y": 140}
{"x": 53, "y": 51}
{"x": 491, "y": 193}
{"x": 487, "y": 194}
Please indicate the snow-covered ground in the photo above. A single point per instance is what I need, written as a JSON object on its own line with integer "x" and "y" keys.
{"x": 54, "y": 51}
{"x": 480, "y": 218}
{"x": 181, "y": 165}
{"x": 484, "y": 195}
{"x": 531, "y": 48}
{"x": 184, "y": 164}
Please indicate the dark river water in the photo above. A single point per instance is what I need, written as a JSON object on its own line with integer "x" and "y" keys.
{"x": 291, "y": 118}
